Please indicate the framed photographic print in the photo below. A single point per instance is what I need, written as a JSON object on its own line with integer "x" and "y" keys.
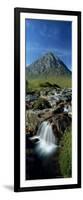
{"x": 47, "y": 99}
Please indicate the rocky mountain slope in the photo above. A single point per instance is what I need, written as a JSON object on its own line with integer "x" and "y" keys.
{"x": 49, "y": 64}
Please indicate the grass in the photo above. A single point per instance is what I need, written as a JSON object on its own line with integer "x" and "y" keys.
{"x": 65, "y": 155}
{"x": 62, "y": 81}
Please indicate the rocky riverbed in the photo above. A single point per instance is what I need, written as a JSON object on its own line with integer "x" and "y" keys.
{"x": 50, "y": 104}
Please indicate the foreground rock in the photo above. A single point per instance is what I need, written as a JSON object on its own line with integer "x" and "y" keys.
{"x": 32, "y": 123}
{"x": 60, "y": 123}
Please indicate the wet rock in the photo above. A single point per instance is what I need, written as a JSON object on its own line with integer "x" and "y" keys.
{"x": 31, "y": 97}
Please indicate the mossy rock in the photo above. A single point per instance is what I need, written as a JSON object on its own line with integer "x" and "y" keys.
{"x": 32, "y": 122}
{"x": 41, "y": 104}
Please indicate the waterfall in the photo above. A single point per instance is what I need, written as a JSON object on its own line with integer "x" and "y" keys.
{"x": 45, "y": 133}
{"x": 46, "y": 143}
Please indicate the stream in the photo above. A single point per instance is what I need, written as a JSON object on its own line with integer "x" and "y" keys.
{"x": 41, "y": 154}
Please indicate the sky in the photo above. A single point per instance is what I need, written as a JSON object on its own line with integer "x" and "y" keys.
{"x": 42, "y": 36}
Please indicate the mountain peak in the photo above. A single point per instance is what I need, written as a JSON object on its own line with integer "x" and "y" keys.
{"x": 50, "y": 55}
{"x": 48, "y": 64}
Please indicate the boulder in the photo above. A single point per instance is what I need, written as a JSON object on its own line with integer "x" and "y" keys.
{"x": 41, "y": 103}
{"x": 32, "y": 122}
{"x": 59, "y": 122}
{"x": 59, "y": 108}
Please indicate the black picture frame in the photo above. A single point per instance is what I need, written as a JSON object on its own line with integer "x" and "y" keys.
{"x": 17, "y": 12}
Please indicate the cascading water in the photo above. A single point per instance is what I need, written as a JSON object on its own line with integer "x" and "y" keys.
{"x": 46, "y": 143}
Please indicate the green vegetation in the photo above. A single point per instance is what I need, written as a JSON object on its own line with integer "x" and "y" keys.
{"x": 65, "y": 154}
{"x": 62, "y": 81}
{"x": 27, "y": 85}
